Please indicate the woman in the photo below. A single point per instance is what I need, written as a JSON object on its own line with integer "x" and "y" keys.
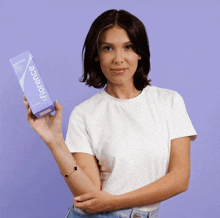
{"x": 127, "y": 148}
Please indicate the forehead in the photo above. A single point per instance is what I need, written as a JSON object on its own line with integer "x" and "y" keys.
{"x": 114, "y": 35}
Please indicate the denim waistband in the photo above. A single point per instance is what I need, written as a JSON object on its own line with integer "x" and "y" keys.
{"x": 135, "y": 213}
{"x": 125, "y": 213}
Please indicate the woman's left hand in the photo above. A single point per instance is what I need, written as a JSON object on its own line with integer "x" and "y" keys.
{"x": 95, "y": 202}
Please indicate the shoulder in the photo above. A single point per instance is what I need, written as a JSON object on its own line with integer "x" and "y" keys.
{"x": 164, "y": 100}
{"x": 163, "y": 94}
{"x": 89, "y": 105}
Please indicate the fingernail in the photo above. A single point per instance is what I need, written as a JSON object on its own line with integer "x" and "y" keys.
{"x": 57, "y": 101}
{"x": 77, "y": 198}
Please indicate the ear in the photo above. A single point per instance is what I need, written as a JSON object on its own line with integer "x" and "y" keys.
{"x": 139, "y": 57}
{"x": 96, "y": 59}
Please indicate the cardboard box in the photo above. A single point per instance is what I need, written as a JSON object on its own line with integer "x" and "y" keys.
{"x": 32, "y": 84}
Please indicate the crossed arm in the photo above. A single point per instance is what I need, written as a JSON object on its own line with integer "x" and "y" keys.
{"x": 173, "y": 183}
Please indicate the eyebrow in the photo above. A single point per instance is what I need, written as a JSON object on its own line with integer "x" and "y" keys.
{"x": 108, "y": 43}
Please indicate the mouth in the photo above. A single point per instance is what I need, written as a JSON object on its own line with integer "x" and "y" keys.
{"x": 119, "y": 70}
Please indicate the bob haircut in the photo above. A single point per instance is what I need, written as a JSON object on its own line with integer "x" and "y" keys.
{"x": 135, "y": 29}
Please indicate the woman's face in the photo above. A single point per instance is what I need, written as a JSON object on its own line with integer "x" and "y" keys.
{"x": 118, "y": 61}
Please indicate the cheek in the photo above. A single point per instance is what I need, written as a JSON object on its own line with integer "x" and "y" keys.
{"x": 133, "y": 61}
{"x": 132, "y": 57}
{"x": 105, "y": 62}
{"x": 104, "y": 67}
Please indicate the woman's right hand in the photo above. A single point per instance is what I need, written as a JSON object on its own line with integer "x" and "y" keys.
{"x": 49, "y": 127}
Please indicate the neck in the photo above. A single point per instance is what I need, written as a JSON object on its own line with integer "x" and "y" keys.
{"x": 122, "y": 92}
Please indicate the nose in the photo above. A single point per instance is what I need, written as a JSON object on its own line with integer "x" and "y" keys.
{"x": 119, "y": 57}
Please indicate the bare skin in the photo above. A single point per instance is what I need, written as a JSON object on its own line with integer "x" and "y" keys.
{"x": 49, "y": 127}
{"x": 116, "y": 52}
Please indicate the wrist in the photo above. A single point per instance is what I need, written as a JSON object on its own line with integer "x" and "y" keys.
{"x": 115, "y": 205}
{"x": 55, "y": 142}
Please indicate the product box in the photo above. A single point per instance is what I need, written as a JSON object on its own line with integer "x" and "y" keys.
{"x": 32, "y": 84}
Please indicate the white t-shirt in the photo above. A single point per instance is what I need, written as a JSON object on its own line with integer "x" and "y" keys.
{"x": 130, "y": 138}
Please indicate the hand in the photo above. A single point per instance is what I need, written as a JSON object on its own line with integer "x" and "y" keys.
{"x": 49, "y": 127}
{"x": 95, "y": 202}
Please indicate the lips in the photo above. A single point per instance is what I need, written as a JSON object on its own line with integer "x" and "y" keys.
{"x": 119, "y": 70}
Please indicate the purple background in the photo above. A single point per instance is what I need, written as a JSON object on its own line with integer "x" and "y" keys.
{"x": 185, "y": 44}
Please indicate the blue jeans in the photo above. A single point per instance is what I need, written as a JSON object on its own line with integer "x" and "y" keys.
{"x": 123, "y": 213}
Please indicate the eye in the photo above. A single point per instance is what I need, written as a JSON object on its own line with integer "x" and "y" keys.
{"x": 129, "y": 46}
{"x": 106, "y": 48}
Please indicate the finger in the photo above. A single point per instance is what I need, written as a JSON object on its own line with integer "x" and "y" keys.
{"x": 30, "y": 116}
{"x": 75, "y": 202}
{"x": 87, "y": 206}
{"x": 26, "y": 104}
{"x": 59, "y": 109}
{"x": 25, "y": 99}
{"x": 85, "y": 197}
{"x": 83, "y": 205}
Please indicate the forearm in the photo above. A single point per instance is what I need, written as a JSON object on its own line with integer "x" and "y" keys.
{"x": 166, "y": 187}
{"x": 78, "y": 182}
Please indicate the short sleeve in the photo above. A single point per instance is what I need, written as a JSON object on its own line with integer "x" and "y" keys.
{"x": 77, "y": 138}
{"x": 180, "y": 125}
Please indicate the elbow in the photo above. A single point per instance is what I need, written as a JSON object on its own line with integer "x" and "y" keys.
{"x": 181, "y": 181}
{"x": 184, "y": 188}
{"x": 184, "y": 184}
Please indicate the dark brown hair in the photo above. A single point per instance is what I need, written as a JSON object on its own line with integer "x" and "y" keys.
{"x": 93, "y": 75}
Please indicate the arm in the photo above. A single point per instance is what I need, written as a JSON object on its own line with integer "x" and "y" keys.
{"x": 173, "y": 183}
{"x": 49, "y": 128}
{"x": 86, "y": 179}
